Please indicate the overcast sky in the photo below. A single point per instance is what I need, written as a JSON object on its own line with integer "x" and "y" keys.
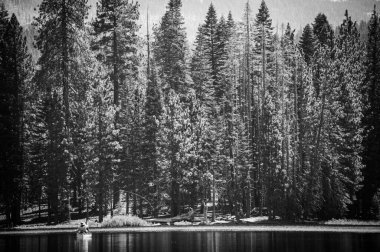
{"x": 297, "y": 12}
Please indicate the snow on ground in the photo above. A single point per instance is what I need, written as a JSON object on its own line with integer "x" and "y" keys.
{"x": 72, "y": 224}
{"x": 254, "y": 219}
{"x": 182, "y": 223}
{"x": 352, "y": 222}
{"x": 220, "y": 222}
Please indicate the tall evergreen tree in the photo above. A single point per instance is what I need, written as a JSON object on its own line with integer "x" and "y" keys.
{"x": 307, "y": 43}
{"x": 170, "y": 50}
{"x": 15, "y": 66}
{"x": 115, "y": 31}
{"x": 371, "y": 120}
{"x": 264, "y": 54}
{"x": 209, "y": 30}
{"x": 116, "y": 45}
{"x": 322, "y": 30}
{"x": 150, "y": 137}
{"x": 170, "y": 54}
{"x": 324, "y": 37}
{"x": 59, "y": 24}
{"x": 203, "y": 106}
{"x": 338, "y": 136}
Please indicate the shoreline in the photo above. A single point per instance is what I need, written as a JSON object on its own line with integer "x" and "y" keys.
{"x": 221, "y": 228}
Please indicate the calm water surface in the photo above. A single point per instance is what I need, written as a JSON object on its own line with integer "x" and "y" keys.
{"x": 194, "y": 242}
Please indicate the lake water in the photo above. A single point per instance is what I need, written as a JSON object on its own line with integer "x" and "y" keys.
{"x": 194, "y": 242}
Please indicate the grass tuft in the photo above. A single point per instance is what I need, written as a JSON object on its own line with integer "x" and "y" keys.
{"x": 124, "y": 221}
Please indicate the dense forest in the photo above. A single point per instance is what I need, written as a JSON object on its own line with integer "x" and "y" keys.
{"x": 249, "y": 119}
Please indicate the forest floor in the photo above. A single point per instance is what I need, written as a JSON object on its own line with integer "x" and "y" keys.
{"x": 206, "y": 228}
{"x": 34, "y": 224}
{"x": 253, "y": 224}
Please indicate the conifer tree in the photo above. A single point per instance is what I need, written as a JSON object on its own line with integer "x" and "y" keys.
{"x": 59, "y": 24}
{"x": 307, "y": 43}
{"x": 170, "y": 50}
{"x": 338, "y": 135}
{"x": 175, "y": 142}
{"x": 36, "y": 145}
{"x": 324, "y": 37}
{"x": 264, "y": 54}
{"x": 115, "y": 31}
{"x": 15, "y": 65}
{"x": 209, "y": 30}
{"x": 170, "y": 54}
{"x": 371, "y": 120}
{"x": 150, "y": 136}
{"x": 102, "y": 139}
{"x": 116, "y": 44}
{"x": 322, "y": 30}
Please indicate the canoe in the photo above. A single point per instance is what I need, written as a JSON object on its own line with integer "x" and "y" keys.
{"x": 84, "y": 236}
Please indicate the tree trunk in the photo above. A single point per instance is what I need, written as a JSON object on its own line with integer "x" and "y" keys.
{"x": 141, "y": 214}
{"x": 39, "y": 208}
{"x": 112, "y": 204}
{"x": 134, "y": 203}
{"x": 127, "y": 203}
{"x": 101, "y": 205}
{"x": 213, "y": 196}
{"x": 87, "y": 215}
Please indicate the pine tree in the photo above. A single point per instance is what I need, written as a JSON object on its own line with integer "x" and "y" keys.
{"x": 170, "y": 54}
{"x": 116, "y": 45}
{"x": 150, "y": 137}
{"x": 307, "y": 43}
{"x": 175, "y": 142}
{"x": 15, "y": 66}
{"x": 115, "y": 31}
{"x": 348, "y": 53}
{"x": 170, "y": 50}
{"x": 59, "y": 24}
{"x": 102, "y": 139}
{"x": 324, "y": 37}
{"x": 3, "y": 19}
{"x": 264, "y": 54}
{"x": 322, "y": 30}
{"x": 36, "y": 148}
{"x": 338, "y": 135}
{"x": 371, "y": 120}
{"x": 209, "y": 30}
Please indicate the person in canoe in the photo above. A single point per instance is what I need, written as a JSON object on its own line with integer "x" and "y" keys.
{"x": 83, "y": 228}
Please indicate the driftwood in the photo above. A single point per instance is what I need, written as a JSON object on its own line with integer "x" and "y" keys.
{"x": 183, "y": 217}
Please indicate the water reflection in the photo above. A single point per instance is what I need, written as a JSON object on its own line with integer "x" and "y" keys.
{"x": 194, "y": 242}
{"x": 83, "y": 245}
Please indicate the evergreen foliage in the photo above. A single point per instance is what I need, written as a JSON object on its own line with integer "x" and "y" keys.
{"x": 15, "y": 70}
{"x": 249, "y": 120}
{"x": 307, "y": 43}
{"x": 370, "y": 122}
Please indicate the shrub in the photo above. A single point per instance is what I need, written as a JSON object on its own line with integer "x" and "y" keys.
{"x": 124, "y": 221}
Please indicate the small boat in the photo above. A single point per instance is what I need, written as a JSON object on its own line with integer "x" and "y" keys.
{"x": 84, "y": 236}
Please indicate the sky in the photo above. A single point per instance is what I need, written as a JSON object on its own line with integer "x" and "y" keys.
{"x": 297, "y": 12}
